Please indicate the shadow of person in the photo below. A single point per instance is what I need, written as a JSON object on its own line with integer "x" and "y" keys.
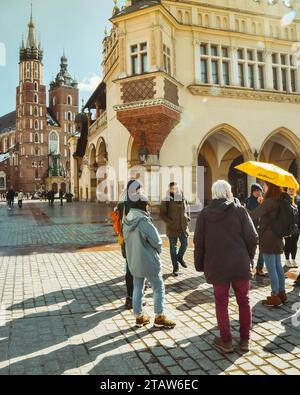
{"x": 78, "y": 310}
{"x": 282, "y": 320}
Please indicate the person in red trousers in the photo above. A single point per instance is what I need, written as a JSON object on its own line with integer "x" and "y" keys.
{"x": 225, "y": 242}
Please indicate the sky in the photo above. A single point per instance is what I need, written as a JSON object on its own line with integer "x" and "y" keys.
{"x": 76, "y": 26}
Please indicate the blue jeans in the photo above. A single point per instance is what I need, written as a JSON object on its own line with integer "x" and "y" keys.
{"x": 177, "y": 257}
{"x": 276, "y": 272}
{"x": 260, "y": 262}
{"x": 158, "y": 288}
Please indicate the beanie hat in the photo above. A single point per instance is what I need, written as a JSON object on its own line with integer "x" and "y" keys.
{"x": 255, "y": 187}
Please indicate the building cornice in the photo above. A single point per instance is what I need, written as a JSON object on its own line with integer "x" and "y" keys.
{"x": 147, "y": 103}
{"x": 244, "y": 94}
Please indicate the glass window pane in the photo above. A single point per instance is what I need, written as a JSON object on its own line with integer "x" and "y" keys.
{"x": 260, "y": 56}
{"x": 214, "y": 50}
{"x": 225, "y": 52}
{"x": 143, "y": 47}
{"x": 134, "y": 48}
{"x": 283, "y": 74}
{"x": 293, "y": 80}
{"x": 241, "y": 74}
{"x": 203, "y": 49}
{"x": 214, "y": 72}
{"x": 144, "y": 63}
{"x": 275, "y": 83}
{"x": 274, "y": 57}
{"x": 261, "y": 78}
{"x": 134, "y": 61}
{"x": 251, "y": 75}
{"x": 204, "y": 77}
{"x": 283, "y": 59}
{"x": 240, "y": 54}
{"x": 225, "y": 71}
{"x": 250, "y": 54}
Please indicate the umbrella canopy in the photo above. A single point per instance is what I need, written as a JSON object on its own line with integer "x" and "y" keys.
{"x": 269, "y": 172}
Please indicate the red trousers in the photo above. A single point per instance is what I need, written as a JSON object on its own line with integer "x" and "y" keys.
{"x": 241, "y": 289}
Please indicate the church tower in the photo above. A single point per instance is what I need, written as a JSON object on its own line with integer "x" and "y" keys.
{"x": 31, "y": 115}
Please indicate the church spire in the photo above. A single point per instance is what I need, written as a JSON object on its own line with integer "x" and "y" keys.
{"x": 31, "y": 35}
{"x": 32, "y": 50}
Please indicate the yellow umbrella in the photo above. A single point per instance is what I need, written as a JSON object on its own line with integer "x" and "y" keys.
{"x": 269, "y": 172}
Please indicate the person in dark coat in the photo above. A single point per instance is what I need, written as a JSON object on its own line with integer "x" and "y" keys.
{"x": 174, "y": 211}
{"x": 251, "y": 204}
{"x": 225, "y": 242}
{"x": 270, "y": 244}
{"x": 61, "y": 196}
{"x": 291, "y": 242}
{"x": 10, "y": 197}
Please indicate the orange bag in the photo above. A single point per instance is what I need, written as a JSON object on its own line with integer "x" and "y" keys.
{"x": 117, "y": 225}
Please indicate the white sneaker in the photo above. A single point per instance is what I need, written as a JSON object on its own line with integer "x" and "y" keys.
{"x": 294, "y": 263}
{"x": 288, "y": 263}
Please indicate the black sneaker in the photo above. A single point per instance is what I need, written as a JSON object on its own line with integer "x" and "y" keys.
{"x": 128, "y": 303}
{"x": 182, "y": 263}
{"x": 175, "y": 274}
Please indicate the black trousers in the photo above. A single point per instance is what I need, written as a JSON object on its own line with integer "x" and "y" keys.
{"x": 128, "y": 275}
{"x": 20, "y": 203}
{"x": 291, "y": 246}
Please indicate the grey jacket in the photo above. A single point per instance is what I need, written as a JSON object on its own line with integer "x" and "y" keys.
{"x": 143, "y": 244}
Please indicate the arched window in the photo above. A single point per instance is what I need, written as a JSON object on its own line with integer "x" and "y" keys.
{"x": 53, "y": 143}
{"x": 27, "y": 70}
{"x": 36, "y": 74}
{"x": 69, "y": 116}
{"x": 36, "y": 138}
{"x": 36, "y": 98}
{"x": 36, "y": 111}
{"x": 69, "y": 100}
{"x": 37, "y": 151}
{"x": 36, "y": 86}
{"x": 36, "y": 125}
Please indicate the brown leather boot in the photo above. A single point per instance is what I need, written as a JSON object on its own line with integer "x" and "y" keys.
{"x": 283, "y": 296}
{"x": 272, "y": 301}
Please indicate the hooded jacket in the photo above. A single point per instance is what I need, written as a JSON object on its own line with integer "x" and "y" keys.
{"x": 143, "y": 244}
{"x": 225, "y": 242}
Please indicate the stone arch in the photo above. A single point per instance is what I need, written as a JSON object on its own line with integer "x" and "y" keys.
{"x": 281, "y": 147}
{"x": 92, "y": 170}
{"x": 222, "y": 148}
{"x": 133, "y": 152}
{"x": 101, "y": 152}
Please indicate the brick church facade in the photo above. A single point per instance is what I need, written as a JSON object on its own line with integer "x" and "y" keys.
{"x": 34, "y": 151}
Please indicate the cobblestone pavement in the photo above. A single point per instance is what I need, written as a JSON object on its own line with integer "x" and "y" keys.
{"x": 61, "y": 312}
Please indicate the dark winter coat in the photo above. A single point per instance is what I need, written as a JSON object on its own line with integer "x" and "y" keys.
{"x": 225, "y": 242}
{"x": 10, "y": 194}
{"x": 269, "y": 242}
{"x": 175, "y": 213}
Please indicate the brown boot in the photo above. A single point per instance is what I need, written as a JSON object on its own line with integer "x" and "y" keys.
{"x": 272, "y": 301}
{"x": 161, "y": 321}
{"x": 225, "y": 348}
{"x": 244, "y": 345}
{"x": 283, "y": 296}
{"x": 142, "y": 321}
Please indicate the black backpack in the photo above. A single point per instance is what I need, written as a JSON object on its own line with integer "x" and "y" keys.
{"x": 286, "y": 222}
